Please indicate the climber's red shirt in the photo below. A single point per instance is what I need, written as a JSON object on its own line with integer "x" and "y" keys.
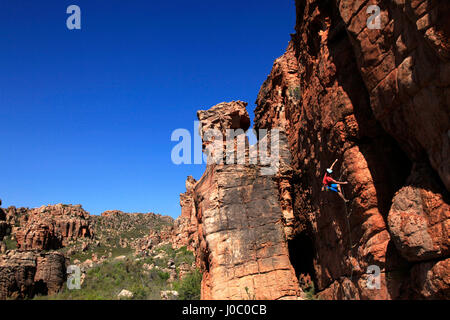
{"x": 327, "y": 180}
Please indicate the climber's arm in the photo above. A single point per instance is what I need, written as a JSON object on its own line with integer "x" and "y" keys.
{"x": 340, "y": 182}
{"x": 333, "y": 164}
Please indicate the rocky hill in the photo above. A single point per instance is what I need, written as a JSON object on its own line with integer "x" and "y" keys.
{"x": 119, "y": 255}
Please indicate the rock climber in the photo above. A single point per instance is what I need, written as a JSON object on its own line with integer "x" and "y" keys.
{"x": 328, "y": 183}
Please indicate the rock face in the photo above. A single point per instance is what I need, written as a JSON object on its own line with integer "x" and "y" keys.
{"x": 430, "y": 280}
{"x": 376, "y": 100}
{"x": 3, "y": 228}
{"x": 26, "y": 273}
{"x": 186, "y": 225}
{"x": 419, "y": 219}
{"x": 242, "y": 248}
{"x": 3, "y": 223}
{"x": 51, "y": 227}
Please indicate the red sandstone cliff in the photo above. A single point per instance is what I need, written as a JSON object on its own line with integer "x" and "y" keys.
{"x": 30, "y": 270}
{"x": 234, "y": 220}
{"x": 376, "y": 100}
{"x": 50, "y": 227}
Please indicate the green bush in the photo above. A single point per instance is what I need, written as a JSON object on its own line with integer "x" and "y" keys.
{"x": 183, "y": 255}
{"x": 163, "y": 275}
{"x": 310, "y": 292}
{"x": 105, "y": 281}
{"x": 10, "y": 244}
{"x": 189, "y": 287}
{"x": 295, "y": 93}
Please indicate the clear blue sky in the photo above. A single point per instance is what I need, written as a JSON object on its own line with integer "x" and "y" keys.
{"x": 86, "y": 116}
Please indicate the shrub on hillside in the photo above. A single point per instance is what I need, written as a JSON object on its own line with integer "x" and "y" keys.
{"x": 189, "y": 287}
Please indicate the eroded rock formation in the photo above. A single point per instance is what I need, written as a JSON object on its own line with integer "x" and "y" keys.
{"x": 419, "y": 219}
{"x": 240, "y": 229}
{"x": 51, "y": 227}
{"x": 185, "y": 227}
{"x": 24, "y": 274}
{"x": 375, "y": 99}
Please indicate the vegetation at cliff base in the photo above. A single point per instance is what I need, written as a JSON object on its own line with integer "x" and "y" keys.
{"x": 189, "y": 287}
{"x": 144, "y": 277}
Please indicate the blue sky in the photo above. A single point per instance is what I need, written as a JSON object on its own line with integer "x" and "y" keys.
{"x": 86, "y": 115}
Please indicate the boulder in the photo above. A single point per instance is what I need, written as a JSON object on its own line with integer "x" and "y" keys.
{"x": 169, "y": 295}
{"x": 419, "y": 219}
{"x": 23, "y": 274}
{"x": 125, "y": 294}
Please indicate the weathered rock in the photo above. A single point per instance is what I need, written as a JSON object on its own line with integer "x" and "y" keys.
{"x": 120, "y": 258}
{"x": 169, "y": 295}
{"x": 2, "y": 247}
{"x": 125, "y": 294}
{"x": 26, "y": 273}
{"x": 222, "y": 117}
{"x": 161, "y": 256}
{"x": 242, "y": 246}
{"x": 430, "y": 280}
{"x": 50, "y": 272}
{"x": 186, "y": 224}
{"x": 404, "y": 67}
{"x": 419, "y": 219}
{"x": 148, "y": 267}
{"x": 184, "y": 269}
{"x": 16, "y": 216}
{"x": 377, "y": 100}
{"x": 51, "y": 227}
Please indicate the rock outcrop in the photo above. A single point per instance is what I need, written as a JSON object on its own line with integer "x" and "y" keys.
{"x": 3, "y": 224}
{"x": 166, "y": 235}
{"x": 186, "y": 225}
{"x": 419, "y": 219}
{"x": 52, "y": 227}
{"x": 138, "y": 231}
{"x": 75, "y": 235}
{"x": 377, "y": 100}
{"x": 240, "y": 239}
{"x": 24, "y": 274}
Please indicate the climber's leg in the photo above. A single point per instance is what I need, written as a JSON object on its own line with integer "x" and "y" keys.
{"x": 337, "y": 188}
{"x": 342, "y": 196}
